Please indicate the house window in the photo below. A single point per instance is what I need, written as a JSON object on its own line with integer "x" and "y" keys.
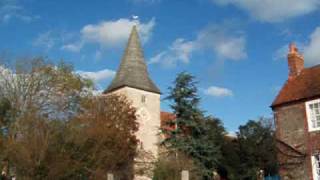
{"x": 143, "y": 98}
{"x": 316, "y": 166}
{"x": 313, "y": 114}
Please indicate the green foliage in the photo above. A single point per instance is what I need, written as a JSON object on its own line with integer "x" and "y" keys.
{"x": 166, "y": 170}
{"x": 204, "y": 140}
{"x": 197, "y": 136}
{"x": 253, "y": 150}
{"x": 257, "y": 145}
{"x": 170, "y": 168}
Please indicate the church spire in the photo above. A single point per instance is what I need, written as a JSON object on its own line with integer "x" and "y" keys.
{"x": 133, "y": 69}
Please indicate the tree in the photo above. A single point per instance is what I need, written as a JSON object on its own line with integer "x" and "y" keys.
{"x": 34, "y": 96}
{"x": 102, "y": 138}
{"x": 5, "y": 107}
{"x": 33, "y": 150}
{"x": 213, "y": 139}
{"x": 55, "y": 90}
{"x": 257, "y": 146}
{"x": 253, "y": 150}
{"x": 191, "y": 135}
{"x": 99, "y": 139}
{"x": 53, "y": 128}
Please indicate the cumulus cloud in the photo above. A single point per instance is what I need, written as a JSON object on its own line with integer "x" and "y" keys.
{"x": 13, "y": 9}
{"x": 273, "y": 10}
{"x": 311, "y": 50}
{"x": 97, "y": 76}
{"x": 218, "y": 91}
{"x": 110, "y": 34}
{"x": 223, "y": 41}
{"x": 226, "y": 42}
{"x": 180, "y": 50}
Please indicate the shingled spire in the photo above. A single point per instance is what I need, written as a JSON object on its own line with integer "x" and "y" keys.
{"x": 133, "y": 69}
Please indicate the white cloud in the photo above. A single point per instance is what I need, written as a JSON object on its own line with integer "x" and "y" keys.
{"x": 13, "y": 9}
{"x": 180, "y": 50}
{"x": 309, "y": 49}
{"x": 53, "y": 39}
{"x": 110, "y": 34}
{"x": 312, "y": 49}
{"x": 73, "y": 47}
{"x": 221, "y": 40}
{"x": 218, "y": 91}
{"x": 98, "y": 76}
{"x": 281, "y": 53}
{"x": 226, "y": 42}
{"x": 45, "y": 40}
{"x": 273, "y": 10}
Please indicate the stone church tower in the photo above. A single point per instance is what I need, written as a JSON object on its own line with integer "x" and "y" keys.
{"x": 133, "y": 81}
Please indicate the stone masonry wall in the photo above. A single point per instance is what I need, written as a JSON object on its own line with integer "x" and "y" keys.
{"x": 291, "y": 129}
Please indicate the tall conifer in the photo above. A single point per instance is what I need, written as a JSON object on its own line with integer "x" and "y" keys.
{"x": 191, "y": 136}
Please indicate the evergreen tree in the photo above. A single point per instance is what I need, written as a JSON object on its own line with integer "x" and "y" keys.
{"x": 191, "y": 135}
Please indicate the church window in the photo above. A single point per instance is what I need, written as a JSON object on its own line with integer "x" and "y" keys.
{"x": 316, "y": 166}
{"x": 313, "y": 114}
{"x": 143, "y": 98}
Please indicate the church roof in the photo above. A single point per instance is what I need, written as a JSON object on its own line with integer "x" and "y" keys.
{"x": 133, "y": 69}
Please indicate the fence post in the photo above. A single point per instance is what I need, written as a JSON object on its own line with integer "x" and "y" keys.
{"x": 185, "y": 175}
{"x": 110, "y": 176}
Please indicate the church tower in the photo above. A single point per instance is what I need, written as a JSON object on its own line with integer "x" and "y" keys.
{"x": 132, "y": 80}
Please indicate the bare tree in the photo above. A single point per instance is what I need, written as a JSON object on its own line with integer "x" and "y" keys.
{"x": 54, "y": 90}
{"x": 34, "y": 95}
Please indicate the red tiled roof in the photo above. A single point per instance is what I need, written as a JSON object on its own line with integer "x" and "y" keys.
{"x": 304, "y": 86}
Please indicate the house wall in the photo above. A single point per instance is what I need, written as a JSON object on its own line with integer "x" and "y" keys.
{"x": 292, "y": 129}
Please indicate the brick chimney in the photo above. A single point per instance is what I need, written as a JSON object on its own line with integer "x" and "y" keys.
{"x": 295, "y": 61}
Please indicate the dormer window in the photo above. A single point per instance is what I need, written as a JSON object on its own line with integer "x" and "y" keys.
{"x": 313, "y": 114}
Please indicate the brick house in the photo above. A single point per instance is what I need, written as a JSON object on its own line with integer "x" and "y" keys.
{"x": 297, "y": 118}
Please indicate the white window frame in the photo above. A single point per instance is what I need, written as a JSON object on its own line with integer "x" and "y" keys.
{"x": 308, "y": 110}
{"x": 315, "y": 167}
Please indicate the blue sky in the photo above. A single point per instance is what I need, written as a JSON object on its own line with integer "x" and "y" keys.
{"x": 235, "y": 48}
